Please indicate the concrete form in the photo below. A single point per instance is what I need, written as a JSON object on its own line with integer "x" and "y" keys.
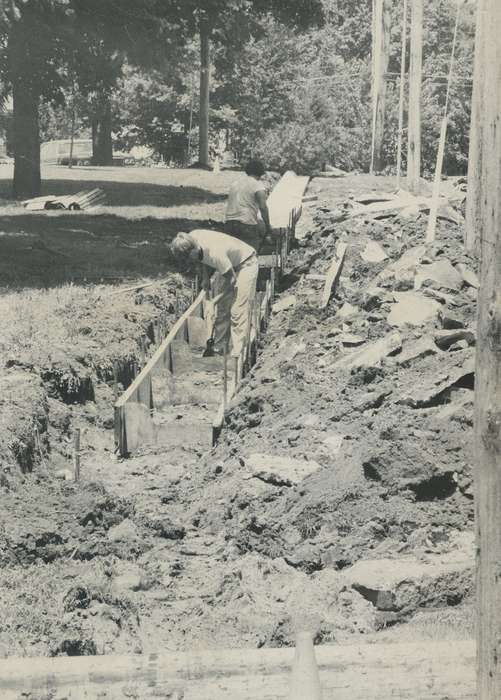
{"x": 180, "y": 397}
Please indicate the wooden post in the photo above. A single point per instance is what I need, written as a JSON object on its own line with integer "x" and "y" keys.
{"x": 236, "y": 369}
{"x": 403, "y": 72}
{"x": 76, "y": 454}
{"x": 476, "y": 138}
{"x": 115, "y": 380}
{"x": 487, "y": 167}
{"x": 381, "y": 28}
{"x": 415, "y": 77}
{"x": 225, "y": 380}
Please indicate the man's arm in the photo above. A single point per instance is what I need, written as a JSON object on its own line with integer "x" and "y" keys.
{"x": 206, "y": 274}
{"x": 263, "y": 208}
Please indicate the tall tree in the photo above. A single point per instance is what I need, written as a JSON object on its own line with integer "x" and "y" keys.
{"x": 34, "y": 49}
{"x": 211, "y": 19}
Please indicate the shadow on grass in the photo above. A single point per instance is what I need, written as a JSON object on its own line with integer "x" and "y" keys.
{"x": 40, "y": 251}
{"x": 130, "y": 194}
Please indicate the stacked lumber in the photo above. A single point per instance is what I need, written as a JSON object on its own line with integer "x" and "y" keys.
{"x": 85, "y": 199}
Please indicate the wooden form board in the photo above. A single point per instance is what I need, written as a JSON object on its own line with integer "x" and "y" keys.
{"x": 284, "y": 206}
{"x": 132, "y": 410}
{"x": 417, "y": 671}
{"x": 286, "y": 197}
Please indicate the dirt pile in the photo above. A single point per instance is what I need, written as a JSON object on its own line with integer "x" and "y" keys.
{"x": 388, "y": 425}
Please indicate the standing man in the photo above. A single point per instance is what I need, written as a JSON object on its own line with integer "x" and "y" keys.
{"x": 236, "y": 263}
{"x": 247, "y": 216}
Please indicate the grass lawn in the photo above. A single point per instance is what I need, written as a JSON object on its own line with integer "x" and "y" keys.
{"x": 125, "y": 239}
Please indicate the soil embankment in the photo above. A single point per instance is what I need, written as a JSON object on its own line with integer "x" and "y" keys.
{"x": 340, "y": 490}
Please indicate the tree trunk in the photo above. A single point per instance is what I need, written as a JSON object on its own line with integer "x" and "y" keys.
{"x": 102, "y": 145}
{"x": 203, "y": 156}
{"x": 487, "y": 202}
{"x": 25, "y": 126}
{"x": 415, "y": 77}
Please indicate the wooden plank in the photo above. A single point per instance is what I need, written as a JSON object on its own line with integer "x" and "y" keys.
{"x": 333, "y": 274}
{"x": 432, "y": 217}
{"x": 488, "y": 358}
{"x": 418, "y": 671}
{"x": 415, "y": 78}
{"x": 156, "y": 357}
{"x": 135, "y": 288}
{"x": 286, "y": 196}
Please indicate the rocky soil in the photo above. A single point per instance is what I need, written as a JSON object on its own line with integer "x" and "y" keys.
{"x": 340, "y": 492}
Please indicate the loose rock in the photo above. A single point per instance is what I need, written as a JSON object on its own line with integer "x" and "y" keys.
{"x": 412, "y": 309}
{"x": 280, "y": 471}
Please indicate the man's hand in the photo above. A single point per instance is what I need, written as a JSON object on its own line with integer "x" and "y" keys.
{"x": 230, "y": 277}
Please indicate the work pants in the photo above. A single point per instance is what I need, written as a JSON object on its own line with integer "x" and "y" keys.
{"x": 233, "y": 311}
{"x": 252, "y": 234}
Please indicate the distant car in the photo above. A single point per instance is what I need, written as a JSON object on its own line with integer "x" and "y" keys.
{"x": 58, "y": 153}
{"x": 121, "y": 158}
{"x": 6, "y": 160}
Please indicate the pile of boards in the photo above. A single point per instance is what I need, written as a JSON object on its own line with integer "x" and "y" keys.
{"x": 85, "y": 199}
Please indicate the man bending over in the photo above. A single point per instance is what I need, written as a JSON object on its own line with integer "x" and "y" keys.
{"x": 236, "y": 263}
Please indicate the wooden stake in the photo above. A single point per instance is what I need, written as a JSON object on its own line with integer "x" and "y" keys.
{"x": 415, "y": 77}
{"x": 225, "y": 380}
{"x": 403, "y": 58}
{"x": 115, "y": 379}
{"x": 236, "y": 369}
{"x": 76, "y": 454}
{"x": 381, "y": 27}
{"x": 487, "y": 167}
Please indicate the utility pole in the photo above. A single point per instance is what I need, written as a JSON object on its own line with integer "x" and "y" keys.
{"x": 204, "y": 91}
{"x": 381, "y": 28}
{"x": 486, "y": 201}
{"x": 476, "y": 138}
{"x": 401, "y": 99}
{"x": 415, "y": 78}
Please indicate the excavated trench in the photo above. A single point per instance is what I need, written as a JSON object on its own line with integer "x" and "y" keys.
{"x": 199, "y": 546}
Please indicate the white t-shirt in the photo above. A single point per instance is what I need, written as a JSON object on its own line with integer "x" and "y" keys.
{"x": 220, "y": 251}
{"x": 242, "y": 201}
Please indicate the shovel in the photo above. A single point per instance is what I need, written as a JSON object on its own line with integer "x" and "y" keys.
{"x": 211, "y": 316}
